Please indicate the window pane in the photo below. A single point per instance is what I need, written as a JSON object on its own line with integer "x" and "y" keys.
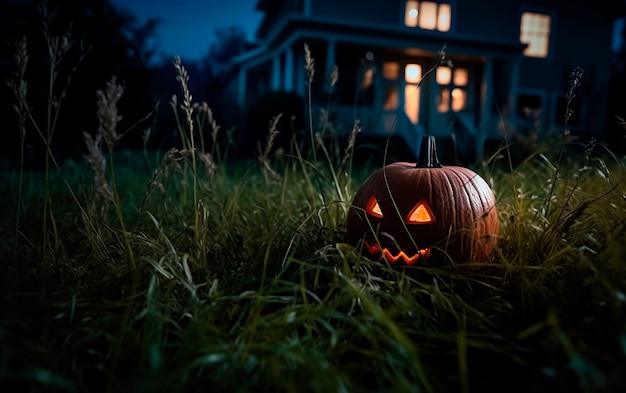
{"x": 535, "y": 31}
{"x": 459, "y": 98}
{"x": 443, "y": 20}
{"x": 391, "y": 70}
{"x": 412, "y": 73}
{"x": 410, "y": 14}
{"x": 368, "y": 77}
{"x": 391, "y": 98}
{"x": 443, "y": 100}
{"x": 460, "y": 77}
{"x": 444, "y": 75}
{"x": 411, "y": 102}
{"x": 428, "y": 15}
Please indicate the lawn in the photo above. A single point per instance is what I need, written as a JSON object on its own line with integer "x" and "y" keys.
{"x": 169, "y": 271}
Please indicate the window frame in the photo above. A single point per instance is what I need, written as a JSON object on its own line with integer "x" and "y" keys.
{"x": 551, "y": 34}
{"x": 450, "y": 86}
{"x": 450, "y": 3}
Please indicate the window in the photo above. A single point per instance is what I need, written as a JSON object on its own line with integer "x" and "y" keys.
{"x": 391, "y": 70}
{"x": 429, "y": 15}
{"x": 453, "y": 88}
{"x": 412, "y": 76}
{"x": 527, "y": 104}
{"x": 535, "y": 32}
{"x": 397, "y": 82}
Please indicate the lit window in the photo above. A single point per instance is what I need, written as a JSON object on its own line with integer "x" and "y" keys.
{"x": 535, "y": 32}
{"x": 444, "y": 75}
{"x": 391, "y": 70}
{"x": 391, "y": 98}
{"x": 412, "y": 102}
{"x": 410, "y": 14}
{"x": 412, "y": 77}
{"x": 460, "y": 77}
{"x": 429, "y": 15}
{"x": 452, "y": 93}
{"x": 443, "y": 20}
{"x": 368, "y": 77}
{"x": 458, "y": 99}
{"x": 413, "y": 73}
{"x": 443, "y": 101}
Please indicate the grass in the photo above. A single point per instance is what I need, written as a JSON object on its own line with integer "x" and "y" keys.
{"x": 166, "y": 272}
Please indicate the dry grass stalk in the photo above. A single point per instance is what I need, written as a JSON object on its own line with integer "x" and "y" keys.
{"x": 273, "y": 132}
{"x": 334, "y": 76}
{"x": 107, "y": 112}
{"x": 172, "y": 156}
{"x": 97, "y": 163}
{"x": 309, "y": 64}
{"x": 356, "y": 128}
{"x": 18, "y": 84}
{"x": 209, "y": 164}
{"x": 182, "y": 76}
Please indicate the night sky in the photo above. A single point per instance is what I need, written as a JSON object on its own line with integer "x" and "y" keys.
{"x": 188, "y": 26}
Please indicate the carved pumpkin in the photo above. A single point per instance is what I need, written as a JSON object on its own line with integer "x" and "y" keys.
{"x": 407, "y": 213}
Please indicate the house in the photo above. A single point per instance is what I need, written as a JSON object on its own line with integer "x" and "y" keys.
{"x": 505, "y": 67}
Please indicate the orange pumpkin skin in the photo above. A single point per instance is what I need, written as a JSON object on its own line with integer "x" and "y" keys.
{"x": 411, "y": 215}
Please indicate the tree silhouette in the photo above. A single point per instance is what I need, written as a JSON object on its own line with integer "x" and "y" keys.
{"x": 110, "y": 42}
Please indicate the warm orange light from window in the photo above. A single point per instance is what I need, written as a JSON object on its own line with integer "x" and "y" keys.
{"x": 410, "y": 14}
{"x": 460, "y": 77}
{"x": 391, "y": 99}
{"x": 459, "y": 98}
{"x": 368, "y": 77}
{"x": 428, "y": 15}
{"x": 391, "y": 70}
{"x": 443, "y": 101}
{"x": 444, "y": 75}
{"x": 412, "y": 73}
{"x": 443, "y": 20}
{"x": 535, "y": 31}
{"x": 412, "y": 102}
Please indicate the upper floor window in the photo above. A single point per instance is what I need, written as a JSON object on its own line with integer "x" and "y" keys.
{"x": 429, "y": 15}
{"x": 535, "y": 31}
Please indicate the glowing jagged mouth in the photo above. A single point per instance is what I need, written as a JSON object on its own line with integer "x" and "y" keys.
{"x": 375, "y": 249}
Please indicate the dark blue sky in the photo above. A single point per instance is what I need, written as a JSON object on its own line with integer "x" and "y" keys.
{"x": 188, "y": 26}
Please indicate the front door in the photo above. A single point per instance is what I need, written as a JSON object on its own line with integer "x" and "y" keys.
{"x": 402, "y": 96}
{"x": 451, "y": 95}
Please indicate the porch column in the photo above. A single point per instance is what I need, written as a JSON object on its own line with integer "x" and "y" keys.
{"x": 306, "y": 7}
{"x": 330, "y": 60}
{"x": 513, "y": 89}
{"x": 300, "y": 76}
{"x": 275, "y": 80}
{"x": 288, "y": 71}
{"x": 242, "y": 80}
{"x": 485, "y": 107}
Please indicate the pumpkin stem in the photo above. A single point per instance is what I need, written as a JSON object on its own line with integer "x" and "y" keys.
{"x": 428, "y": 153}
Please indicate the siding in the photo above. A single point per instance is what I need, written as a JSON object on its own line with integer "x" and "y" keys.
{"x": 387, "y": 12}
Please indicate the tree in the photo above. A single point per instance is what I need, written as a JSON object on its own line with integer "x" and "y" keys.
{"x": 103, "y": 42}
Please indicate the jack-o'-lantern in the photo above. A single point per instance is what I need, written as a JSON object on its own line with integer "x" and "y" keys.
{"x": 409, "y": 213}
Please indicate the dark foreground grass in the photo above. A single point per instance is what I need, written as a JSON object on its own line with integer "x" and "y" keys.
{"x": 168, "y": 273}
{"x": 268, "y": 297}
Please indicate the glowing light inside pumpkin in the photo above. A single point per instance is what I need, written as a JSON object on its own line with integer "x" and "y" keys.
{"x": 373, "y": 208}
{"x": 421, "y": 214}
{"x": 375, "y": 249}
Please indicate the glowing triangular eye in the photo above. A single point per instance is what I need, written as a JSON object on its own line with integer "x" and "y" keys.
{"x": 421, "y": 214}
{"x": 373, "y": 208}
